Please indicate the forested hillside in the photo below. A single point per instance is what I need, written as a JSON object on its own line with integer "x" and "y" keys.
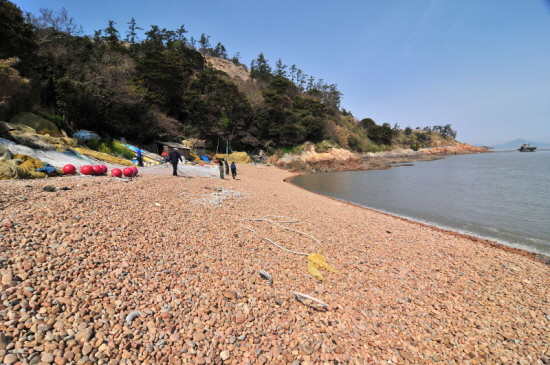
{"x": 165, "y": 87}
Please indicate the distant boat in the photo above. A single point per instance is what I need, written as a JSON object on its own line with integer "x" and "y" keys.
{"x": 526, "y": 148}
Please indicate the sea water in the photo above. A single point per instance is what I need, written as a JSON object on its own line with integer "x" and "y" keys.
{"x": 503, "y": 196}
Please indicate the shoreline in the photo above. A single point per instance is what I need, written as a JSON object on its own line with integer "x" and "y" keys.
{"x": 522, "y": 252}
{"x": 161, "y": 269}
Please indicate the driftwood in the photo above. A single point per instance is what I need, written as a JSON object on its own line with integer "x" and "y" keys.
{"x": 300, "y": 295}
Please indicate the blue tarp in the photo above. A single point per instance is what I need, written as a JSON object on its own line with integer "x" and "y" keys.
{"x": 134, "y": 148}
{"x": 205, "y": 158}
{"x": 48, "y": 170}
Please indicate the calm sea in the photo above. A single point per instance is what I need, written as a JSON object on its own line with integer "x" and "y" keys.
{"x": 503, "y": 196}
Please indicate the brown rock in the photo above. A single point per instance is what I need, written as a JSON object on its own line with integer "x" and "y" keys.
{"x": 198, "y": 336}
{"x": 47, "y": 357}
{"x": 230, "y": 294}
{"x": 7, "y": 278}
{"x": 10, "y": 358}
{"x": 84, "y": 335}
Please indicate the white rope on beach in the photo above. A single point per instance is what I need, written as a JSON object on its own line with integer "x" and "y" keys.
{"x": 278, "y": 223}
{"x": 284, "y": 249}
{"x": 273, "y": 243}
{"x": 250, "y": 229}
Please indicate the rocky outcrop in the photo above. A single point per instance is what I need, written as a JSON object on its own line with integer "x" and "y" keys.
{"x": 228, "y": 67}
{"x": 455, "y": 149}
{"x": 335, "y": 159}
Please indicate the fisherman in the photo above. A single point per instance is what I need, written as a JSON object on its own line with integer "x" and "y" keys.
{"x": 220, "y": 163}
{"x": 174, "y": 158}
{"x": 233, "y": 169}
{"x": 139, "y": 156}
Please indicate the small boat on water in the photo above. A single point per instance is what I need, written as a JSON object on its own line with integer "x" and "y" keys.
{"x": 526, "y": 148}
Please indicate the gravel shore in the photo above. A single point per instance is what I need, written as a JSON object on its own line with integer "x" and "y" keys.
{"x": 164, "y": 270}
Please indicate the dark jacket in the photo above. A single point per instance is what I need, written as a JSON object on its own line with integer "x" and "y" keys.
{"x": 233, "y": 166}
{"x": 174, "y": 157}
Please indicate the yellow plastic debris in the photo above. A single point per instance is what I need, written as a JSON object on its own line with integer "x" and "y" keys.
{"x": 316, "y": 261}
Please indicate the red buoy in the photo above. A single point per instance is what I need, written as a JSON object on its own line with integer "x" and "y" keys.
{"x": 128, "y": 172}
{"x": 103, "y": 169}
{"x": 69, "y": 169}
{"x": 116, "y": 173}
{"x": 87, "y": 170}
{"x": 97, "y": 169}
{"x": 135, "y": 169}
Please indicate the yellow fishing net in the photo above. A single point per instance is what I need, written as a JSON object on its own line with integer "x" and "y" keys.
{"x": 21, "y": 167}
{"x": 237, "y": 157}
{"x": 316, "y": 261}
{"x": 104, "y": 157}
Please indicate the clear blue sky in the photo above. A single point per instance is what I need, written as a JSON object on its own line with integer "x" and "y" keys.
{"x": 481, "y": 66}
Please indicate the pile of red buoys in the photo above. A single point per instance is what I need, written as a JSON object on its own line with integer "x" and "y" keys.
{"x": 100, "y": 170}
{"x": 89, "y": 170}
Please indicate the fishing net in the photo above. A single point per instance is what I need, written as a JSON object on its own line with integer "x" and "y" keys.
{"x": 27, "y": 136}
{"x": 103, "y": 156}
{"x": 5, "y": 153}
{"x": 37, "y": 124}
{"x": 21, "y": 167}
{"x": 237, "y": 157}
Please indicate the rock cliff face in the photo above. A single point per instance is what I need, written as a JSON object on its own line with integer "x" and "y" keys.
{"x": 228, "y": 67}
{"x": 335, "y": 159}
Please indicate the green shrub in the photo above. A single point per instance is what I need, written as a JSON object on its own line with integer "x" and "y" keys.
{"x": 58, "y": 121}
{"x": 323, "y": 146}
{"x": 373, "y": 147}
{"x": 93, "y": 144}
{"x": 113, "y": 148}
{"x": 120, "y": 150}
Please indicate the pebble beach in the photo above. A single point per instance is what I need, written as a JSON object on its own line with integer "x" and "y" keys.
{"x": 164, "y": 270}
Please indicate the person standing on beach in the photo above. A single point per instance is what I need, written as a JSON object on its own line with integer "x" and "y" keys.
{"x": 226, "y": 167}
{"x": 139, "y": 156}
{"x": 233, "y": 169}
{"x": 174, "y": 158}
{"x": 164, "y": 156}
{"x": 220, "y": 162}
